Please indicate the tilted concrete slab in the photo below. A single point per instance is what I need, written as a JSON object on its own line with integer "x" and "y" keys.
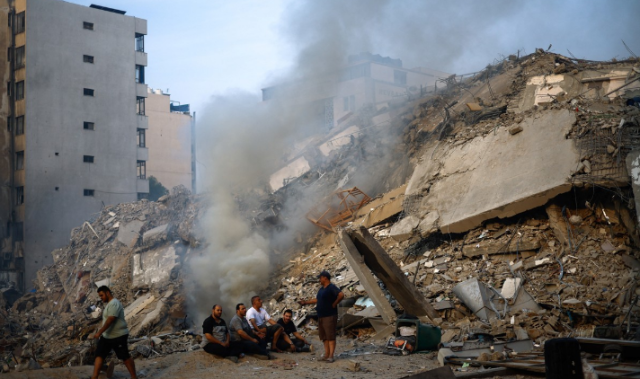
{"x": 153, "y": 266}
{"x": 129, "y": 233}
{"x": 497, "y": 175}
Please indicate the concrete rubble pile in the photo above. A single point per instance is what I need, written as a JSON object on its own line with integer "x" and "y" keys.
{"x": 136, "y": 249}
{"x": 519, "y": 221}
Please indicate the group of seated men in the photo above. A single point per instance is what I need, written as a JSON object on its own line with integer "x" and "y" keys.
{"x": 250, "y": 331}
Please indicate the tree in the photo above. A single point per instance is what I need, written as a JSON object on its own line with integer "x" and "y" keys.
{"x": 156, "y": 189}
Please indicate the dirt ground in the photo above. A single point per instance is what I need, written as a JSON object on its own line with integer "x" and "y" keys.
{"x": 198, "y": 364}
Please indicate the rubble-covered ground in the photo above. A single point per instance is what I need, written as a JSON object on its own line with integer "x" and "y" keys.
{"x": 516, "y": 177}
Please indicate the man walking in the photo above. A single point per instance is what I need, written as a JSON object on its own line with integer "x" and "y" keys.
{"x": 261, "y": 323}
{"x": 291, "y": 339}
{"x": 218, "y": 340}
{"x": 113, "y": 335}
{"x": 327, "y": 300}
{"x": 242, "y": 335}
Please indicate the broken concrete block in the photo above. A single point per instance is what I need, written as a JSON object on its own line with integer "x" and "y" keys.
{"x": 129, "y": 233}
{"x": 403, "y": 229}
{"x": 515, "y": 129}
{"x": 474, "y": 107}
{"x": 509, "y": 287}
{"x": 155, "y": 235}
{"x": 428, "y": 224}
{"x": 153, "y": 266}
{"x": 496, "y": 247}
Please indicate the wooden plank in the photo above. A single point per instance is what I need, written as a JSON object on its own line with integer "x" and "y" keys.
{"x": 496, "y": 247}
{"x": 377, "y": 259}
{"x": 367, "y": 280}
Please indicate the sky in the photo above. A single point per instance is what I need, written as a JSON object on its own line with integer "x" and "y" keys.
{"x": 201, "y": 48}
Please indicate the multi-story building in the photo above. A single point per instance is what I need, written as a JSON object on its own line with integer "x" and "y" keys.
{"x": 170, "y": 140}
{"x": 73, "y": 103}
{"x": 365, "y": 80}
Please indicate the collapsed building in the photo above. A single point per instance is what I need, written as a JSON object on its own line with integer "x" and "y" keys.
{"x": 517, "y": 184}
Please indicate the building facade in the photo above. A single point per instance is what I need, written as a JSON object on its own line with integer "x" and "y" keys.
{"x": 365, "y": 80}
{"x": 76, "y": 103}
{"x": 170, "y": 141}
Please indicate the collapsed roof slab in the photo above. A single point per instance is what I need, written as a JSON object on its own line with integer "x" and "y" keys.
{"x": 497, "y": 175}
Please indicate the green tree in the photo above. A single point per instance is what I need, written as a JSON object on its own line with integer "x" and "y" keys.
{"x": 156, "y": 189}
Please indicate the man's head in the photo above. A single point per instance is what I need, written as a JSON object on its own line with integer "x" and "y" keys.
{"x": 216, "y": 311}
{"x": 286, "y": 316}
{"x": 105, "y": 294}
{"x": 256, "y": 302}
{"x": 241, "y": 310}
{"x": 325, "y": 277}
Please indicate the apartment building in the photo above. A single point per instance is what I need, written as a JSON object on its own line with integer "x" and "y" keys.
{"x": 170, "y": 140}
{"x": 365, "y": 80}
{"x": 73, "y": 104}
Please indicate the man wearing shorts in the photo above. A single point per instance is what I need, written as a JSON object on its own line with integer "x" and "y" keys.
{"x": 113, "y": 335}
{"x": 327, "y": 300}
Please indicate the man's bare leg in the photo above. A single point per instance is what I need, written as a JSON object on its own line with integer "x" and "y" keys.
{"x": 276, "y": 336}
{"x": 131, "y": 366}
{"x": 96, "y": 367}
{"x": 332, "y": 348}
{"x": 327, "y": 349}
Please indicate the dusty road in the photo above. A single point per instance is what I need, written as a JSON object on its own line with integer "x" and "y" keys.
{"x": 200, "y": 365}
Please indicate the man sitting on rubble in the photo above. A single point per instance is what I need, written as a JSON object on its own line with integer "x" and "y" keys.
{"x": 297, "y": 343}
{"x": 261, "y": 323}
{"x": 217, "y": 338}
{"x": 242, "y": 335}
{"x": 113, "y": 335}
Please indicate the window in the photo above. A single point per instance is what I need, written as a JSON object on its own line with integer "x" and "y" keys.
{"x": 89, "y": 192}
{"x": 399, "y": 77}
{"x": 139, "y": 42}
{"x": 9, "y": 124}
{"x": 87, "y": 159}
{"x": 8, "y": 54}
{"x": 19, "y": 125}
{"x": 142, "y": 170}
{"x": 88, "y": 92}
{"x": 89, "y": 125}
{"x": 20, "y": 57}
{"x": 20, "y": 23}
{"x": 349, "y": 103}
{"x": 88, "y": 26}
{"x": 87, "y": 58}
{"x": 140, "y": 105}
{"x": 142, "y": 138}
{"x": 9, "y": 89}
{"x": 20, "y": 90}
{"x": 20, "y": 160}
{"x": 139, "y": 74}
{"x": 19, "y": 195}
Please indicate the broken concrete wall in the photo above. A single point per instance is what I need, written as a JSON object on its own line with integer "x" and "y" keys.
{"x": 497, "y": 175}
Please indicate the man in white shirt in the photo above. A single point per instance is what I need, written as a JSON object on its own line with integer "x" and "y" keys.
{"x": 262, "y": 324}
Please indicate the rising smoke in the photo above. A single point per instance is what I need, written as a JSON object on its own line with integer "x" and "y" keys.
{"x": 241, "y": 140}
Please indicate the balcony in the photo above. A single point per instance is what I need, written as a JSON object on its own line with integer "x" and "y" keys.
{"x": 142, "y": 186}
{"x": 143, "y": 122}
{"x": 141, "y": 90}
{"x": 143, "y": 154}
{"x": 141, "y": 58}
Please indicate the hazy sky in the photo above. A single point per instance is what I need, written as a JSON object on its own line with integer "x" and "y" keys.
{"x": 198, "y": 48}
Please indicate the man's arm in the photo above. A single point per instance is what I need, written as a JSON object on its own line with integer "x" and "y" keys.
{"x": 338, "y": 300}
{"x": 213, "y": 339}
{"x": 300, "y": 337}
{"x": 107, "y": 324}
{"x": 245, "y": 336}
{"x": 305, "y": 302}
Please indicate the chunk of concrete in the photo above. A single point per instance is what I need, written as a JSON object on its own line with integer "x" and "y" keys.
{"x": 293, "y": 170}
{"x": 497, "y": 175}
{"x": 157, "y": 234}
{"x": 428, "y": 224}
{"x": 403, "y": 229}
{"x": 153, "y": 266}
{"x": 129, "y": 233}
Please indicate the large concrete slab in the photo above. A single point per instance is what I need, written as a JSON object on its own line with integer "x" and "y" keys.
{"x": 153, "y": 266}
{"x": 497, "y": 175}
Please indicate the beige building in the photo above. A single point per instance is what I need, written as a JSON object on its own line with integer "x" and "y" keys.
{"x": 170, "y": 141}
{"x": 73, "y": 99}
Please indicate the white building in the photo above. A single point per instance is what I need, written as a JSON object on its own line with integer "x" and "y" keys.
{"x": 77, "y": 99}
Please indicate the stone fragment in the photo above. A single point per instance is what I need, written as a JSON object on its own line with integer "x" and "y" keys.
{"x": 403, "y": 229}
{"x": 428, "y": 224}
{"x": 155, "y": 235}
{"x": 515, "y": 129}
{"x": 575, "y": 220}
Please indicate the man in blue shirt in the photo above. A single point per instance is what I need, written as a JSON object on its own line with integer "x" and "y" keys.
{"x": 113, "y": 335}
{"x": 327, "y": 300}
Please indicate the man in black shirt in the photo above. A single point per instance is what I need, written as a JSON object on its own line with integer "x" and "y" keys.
{"x": 217, "y": 338}
{"x": 327, "y": 300}
{"x": 297, "y": 343}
